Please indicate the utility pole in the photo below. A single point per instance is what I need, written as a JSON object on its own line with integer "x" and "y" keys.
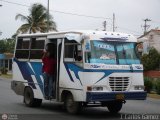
{"x": 113, "y": 22}
{"x": 104, "y": 25}
{"x": 0, "y": 31}
{"x": 48, "y": 17}
{"x": 145, "y": 25}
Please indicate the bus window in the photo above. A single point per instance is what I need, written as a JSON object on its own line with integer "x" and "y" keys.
{"x": 22, "y": 54}
{"x": 127, "y": 54}
{"x": 37, "y": 43}
{"x": 30, "y": 48}
{"x": 72, "y": 52}
{"x": 22, "y": 48}
{"x": 37, "y": 46}
{"x": 23, "y": 43}
{"x": 36, "y": 54}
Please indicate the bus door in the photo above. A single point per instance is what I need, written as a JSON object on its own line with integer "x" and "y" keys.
{"x": 54, "y": 46}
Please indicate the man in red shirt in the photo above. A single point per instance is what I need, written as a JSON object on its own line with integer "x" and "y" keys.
{"x": 49, "y": 67}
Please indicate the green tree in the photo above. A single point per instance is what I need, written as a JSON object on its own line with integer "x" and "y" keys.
{"x": 36, "y": 21}
{"x": 7, "y": 45}
{"x": 10, "y": 44}
{"x": 151, "y": 61}
{"x": 2, "y": 46}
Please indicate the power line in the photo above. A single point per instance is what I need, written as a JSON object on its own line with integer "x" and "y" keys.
{"x": 129, "y": 30}
{"x": 14, "y": 3}
{"x": 56, "y": 11}
{"x": 80, "y": 15}
{"x": 155, "y": 21}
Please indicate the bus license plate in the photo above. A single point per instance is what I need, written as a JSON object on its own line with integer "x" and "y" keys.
{"x": 120, "y": 97}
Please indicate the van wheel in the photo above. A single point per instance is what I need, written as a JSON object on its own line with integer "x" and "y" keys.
{"x": 70, "y": 105}
{"x": 29, "y": 99}
{"x": 114, "y": 106}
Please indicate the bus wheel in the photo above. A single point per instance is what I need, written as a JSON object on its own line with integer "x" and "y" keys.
{"x": 29, "y": 99}
{"x": 114, "y": 106}
{"x": 70, "y": 105}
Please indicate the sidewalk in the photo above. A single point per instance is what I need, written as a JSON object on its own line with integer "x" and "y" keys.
{"x": 155, "y": 96}
{"x": 6, "y": 77}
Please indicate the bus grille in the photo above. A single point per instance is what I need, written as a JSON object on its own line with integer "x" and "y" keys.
{"x": 119, "y": 83}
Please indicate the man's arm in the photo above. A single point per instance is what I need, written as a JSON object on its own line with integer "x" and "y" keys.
{"x": 44, "y": 54}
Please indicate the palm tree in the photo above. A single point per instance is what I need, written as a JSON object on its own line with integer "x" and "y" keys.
{"x": 36, "y": 21}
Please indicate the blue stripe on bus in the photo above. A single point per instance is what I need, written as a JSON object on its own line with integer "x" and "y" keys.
{"x": 37, "y": 67}
{"x": 75, "y": 68}
{"x": 26, "y": 72}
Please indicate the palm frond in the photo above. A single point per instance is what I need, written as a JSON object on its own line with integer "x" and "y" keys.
{"x": 23, "y": 28}
{"x": 21, "y": 17}
{"x": 37, "y": 20}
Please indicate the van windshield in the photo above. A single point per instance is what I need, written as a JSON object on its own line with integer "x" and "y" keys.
{"x": 123, "y": 53}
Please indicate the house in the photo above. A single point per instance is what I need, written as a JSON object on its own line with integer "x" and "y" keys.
{"x": 6, "y": 61}
{"x": 149, "y": 40}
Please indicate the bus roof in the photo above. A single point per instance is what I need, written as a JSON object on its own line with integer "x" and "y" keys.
{"x": 80, "y": 35}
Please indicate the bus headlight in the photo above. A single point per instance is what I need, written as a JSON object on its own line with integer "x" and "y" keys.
{"x": 97, "y": 88}
{"x": 139, "y": 87}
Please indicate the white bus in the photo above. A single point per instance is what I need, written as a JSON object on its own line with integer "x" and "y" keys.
{"x": 94, "y": 68}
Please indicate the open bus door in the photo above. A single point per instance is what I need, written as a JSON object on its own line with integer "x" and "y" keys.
{"x": 55, "y": 46}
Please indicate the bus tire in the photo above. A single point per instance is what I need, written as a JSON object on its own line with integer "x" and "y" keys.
{"x": 29, "y": 99}
{"x": 71, "y": 106}
{"x": 114, "y": 106}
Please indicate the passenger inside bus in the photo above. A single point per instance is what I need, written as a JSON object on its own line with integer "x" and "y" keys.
{"x": 49, "y": 71}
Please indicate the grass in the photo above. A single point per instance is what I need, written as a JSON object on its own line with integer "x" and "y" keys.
{"x": 6, "y": 76}
{"x": 151, "y": 95}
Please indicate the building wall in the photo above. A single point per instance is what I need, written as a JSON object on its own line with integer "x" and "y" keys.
{"x": 154, "y": 74}
{"x": 152, "y": 39}
{"x": 5, "y": 62}
{"x": 156, "y": 42}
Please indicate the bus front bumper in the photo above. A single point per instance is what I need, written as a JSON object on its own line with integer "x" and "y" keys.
{"x": 109, "y": 96}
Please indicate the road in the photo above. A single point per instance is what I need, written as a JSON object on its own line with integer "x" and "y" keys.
{"x": 12, "y": 105}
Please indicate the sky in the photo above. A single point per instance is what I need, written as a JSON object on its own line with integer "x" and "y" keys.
{"x": 129, "y": 14}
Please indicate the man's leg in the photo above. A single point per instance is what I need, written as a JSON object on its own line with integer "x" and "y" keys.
{"x": 51, "y": 86}
{"x": 46, "y": 84}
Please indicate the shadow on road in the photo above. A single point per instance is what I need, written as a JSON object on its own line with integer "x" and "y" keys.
{"x": 85, "y": 113}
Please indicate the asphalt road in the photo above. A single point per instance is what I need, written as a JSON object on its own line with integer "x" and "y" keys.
{"x": 13, "y": 106}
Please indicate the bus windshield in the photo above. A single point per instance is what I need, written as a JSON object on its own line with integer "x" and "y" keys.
{"x": 123, "y": 53}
